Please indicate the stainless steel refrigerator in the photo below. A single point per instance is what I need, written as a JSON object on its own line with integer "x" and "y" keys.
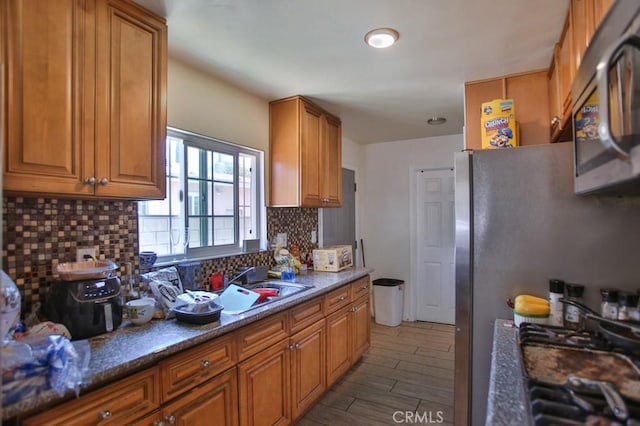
{"x": 518, "y": 224}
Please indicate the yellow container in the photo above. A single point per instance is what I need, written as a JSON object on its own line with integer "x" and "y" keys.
{"x": 498, "y": 124}
{"x": 333, "y": 258}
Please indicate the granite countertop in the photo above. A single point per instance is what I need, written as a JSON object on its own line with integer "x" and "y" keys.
{"x": 507, "y": 403}
{"x": 132, "y": 348}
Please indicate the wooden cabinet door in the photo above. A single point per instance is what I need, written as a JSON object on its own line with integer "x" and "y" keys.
{"x": 194, "y": 366}
{"x": 115, "y": 404}
{"x": 532, "y": 112}
{"x": 213, "y": 403}
{"x": 600, "y": 9}
{"x": 131, "y": 101}
{"x": 338, "y": 344}
{"x": 311, "y": 134}
{"x": 555, "y": 104}
{"x": 582, "y": 28}
{"x": 360, "y": 328}
{"x": 308, "y": 367}
{"x": 49, "y": 55}
{"x": 566, "y": 67}
{"x": 332, "y": 162}
{"x": 475, "y": 94}
{"x": 264, "y": 387}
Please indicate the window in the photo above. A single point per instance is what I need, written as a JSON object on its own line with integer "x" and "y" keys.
{"x": 213, "y": 199}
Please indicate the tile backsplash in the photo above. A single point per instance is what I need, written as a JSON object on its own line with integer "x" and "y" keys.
{"x": 38, "y": 233}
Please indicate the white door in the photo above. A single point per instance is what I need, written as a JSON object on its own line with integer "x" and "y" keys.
{"x": 435, "y": 226}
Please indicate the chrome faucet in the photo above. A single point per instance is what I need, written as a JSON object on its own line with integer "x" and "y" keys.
{"x": 241, "y": 274}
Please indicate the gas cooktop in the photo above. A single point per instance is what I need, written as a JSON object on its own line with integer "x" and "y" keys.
{"x": 578, "y": 377}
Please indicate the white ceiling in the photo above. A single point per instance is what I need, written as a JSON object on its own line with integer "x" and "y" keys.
{"x": 279, "y": 48}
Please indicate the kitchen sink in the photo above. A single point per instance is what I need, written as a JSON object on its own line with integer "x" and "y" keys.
{"x": 283, "y": 289}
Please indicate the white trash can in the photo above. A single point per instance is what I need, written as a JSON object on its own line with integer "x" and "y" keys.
{"x": 388, "y": 301}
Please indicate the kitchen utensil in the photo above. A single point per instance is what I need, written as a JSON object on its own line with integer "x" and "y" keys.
{"x": 236, "y": 298}
{"x": 264, "y": 293}
{"x": 608, "y": 390}
{"x": 624, "y": 334}
{"x": 210, "y": 315}
{"x": 86, "y": 270}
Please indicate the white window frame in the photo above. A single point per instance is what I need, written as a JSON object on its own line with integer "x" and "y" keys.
{"x": 191, "y": 139}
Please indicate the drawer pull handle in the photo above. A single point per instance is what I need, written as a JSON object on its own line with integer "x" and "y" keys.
{"x": 341, "y": 298}
{"x": 105, "y": 414}
{"x": 364, "y": 287}
{"x": 158, "y": 423}
{"x": 171, "y": 419}
{"x": 205, "y": 363}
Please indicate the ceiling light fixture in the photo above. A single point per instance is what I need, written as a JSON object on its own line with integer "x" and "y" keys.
{"x": 381, "y": 37}
{"x": 436, "y": 121}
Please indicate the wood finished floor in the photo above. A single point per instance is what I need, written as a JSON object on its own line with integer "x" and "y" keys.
{"x": 408, "y": 368}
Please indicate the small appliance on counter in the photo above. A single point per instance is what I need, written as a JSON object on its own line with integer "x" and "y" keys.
{"x": 88, "y": 306}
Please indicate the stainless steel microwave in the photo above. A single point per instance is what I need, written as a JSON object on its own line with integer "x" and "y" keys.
{"x": 606, "y": 107}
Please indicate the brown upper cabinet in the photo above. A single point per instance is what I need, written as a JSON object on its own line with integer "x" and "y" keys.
{"x": 531, "y": 110}
{"x": 581, "y": 23}
{"x": 84, "y": 98}
{"x": 305, "y": 145}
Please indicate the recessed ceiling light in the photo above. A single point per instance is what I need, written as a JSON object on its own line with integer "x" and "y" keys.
{"x": 381, "y": 37}
{"x": 436, "y": 121}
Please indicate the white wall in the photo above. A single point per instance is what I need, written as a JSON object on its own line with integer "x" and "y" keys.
{"x": 201, "y": 103}
{"x": 385, "y": 213}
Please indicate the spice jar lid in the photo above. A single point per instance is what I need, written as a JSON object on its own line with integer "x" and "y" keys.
{"x": 609, "y": 295}
{"x": 628, "y": 299}
{"x": 575, "y": 290}
{"x": 556, "y": 286}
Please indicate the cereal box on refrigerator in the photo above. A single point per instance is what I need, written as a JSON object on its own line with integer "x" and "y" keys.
{"x": 498, "y": 121}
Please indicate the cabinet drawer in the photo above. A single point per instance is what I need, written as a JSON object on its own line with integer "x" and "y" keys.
{"x": 306, "y": 314}
{"x": 190, "y": 368}
{"x": 118, "y": 403}
{"x": 256, "y": 337}
{"x": 360, "y": 287}
{"x": 337, "y": 298}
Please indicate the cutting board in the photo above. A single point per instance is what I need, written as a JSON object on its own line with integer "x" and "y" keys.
{"x": 236, "y": 298}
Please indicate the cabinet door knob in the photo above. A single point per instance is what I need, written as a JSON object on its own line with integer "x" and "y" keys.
{"x": 364, "y": 287}
{"x": 555, "y": 120}
{"x": 171, "y": 419}
{"x": 158, "y": 423}
{"x": 104, "y": 181}
{"x": 205, "y": 363}
{"x": 297, "y": 346}
{"x": 105, "y": 414}
{"x": 90, "y": 180}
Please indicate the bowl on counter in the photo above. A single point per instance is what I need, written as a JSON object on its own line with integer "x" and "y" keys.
{"x": 140, "y": 311}
{"x": 211, "y": 314}
{"x": 147, "y": 258}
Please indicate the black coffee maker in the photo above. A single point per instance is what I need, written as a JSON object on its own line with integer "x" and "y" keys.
{"x": 86, "y": 307}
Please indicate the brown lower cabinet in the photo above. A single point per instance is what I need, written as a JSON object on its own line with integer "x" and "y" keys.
{"x": 210, "y": 404}
{"x": 267, "y": 373}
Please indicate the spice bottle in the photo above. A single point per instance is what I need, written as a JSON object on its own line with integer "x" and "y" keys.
{"x": 556, "y": 292}
{"x": 572, "y": 314}
{"x": 628, "y": 307}
{"x": 609, "y": 306}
